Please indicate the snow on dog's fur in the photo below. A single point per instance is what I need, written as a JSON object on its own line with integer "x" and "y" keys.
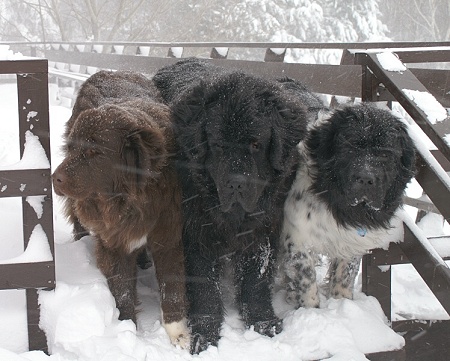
{"x": 356, "y": 164}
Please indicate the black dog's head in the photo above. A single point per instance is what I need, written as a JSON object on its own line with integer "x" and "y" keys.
{"x": 240, "y": 131}
{"x": 363, "y": 159}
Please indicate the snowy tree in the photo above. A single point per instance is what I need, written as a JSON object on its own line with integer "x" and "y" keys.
{"x": 414, "y": 20}
{"x": 202, "y": 20}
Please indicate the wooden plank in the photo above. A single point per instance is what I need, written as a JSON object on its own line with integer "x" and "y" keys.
{"x": 36, "y": 336}
{"x": 377, "y": 283}
{"x": 32, "y": 98}
{"x": 395, "y": 82}
{"x": 342, "y": 80}
{"x": 426, "y": 55}
{"x": 435, "y": 274}
{"x": 25, "y": 182}
{"x": 436, "y": 188}
{"x": 437, "y": 81}
{"x": 27, "y": 275}
{"x": 421, "y": 204}
{"x": 26, "y": 66}
{"x": 210, "y": 44}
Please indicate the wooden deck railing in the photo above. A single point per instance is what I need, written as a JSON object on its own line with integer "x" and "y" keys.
{"x": 32, "y": 92}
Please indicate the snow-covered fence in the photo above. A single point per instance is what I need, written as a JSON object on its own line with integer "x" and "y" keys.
{"x": 30, "y": 179}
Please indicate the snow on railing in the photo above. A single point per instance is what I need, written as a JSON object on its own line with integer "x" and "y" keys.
{"x": 434, "y": 111}
{"x": 34, "y": 156}
{"x": 38, "y": 249}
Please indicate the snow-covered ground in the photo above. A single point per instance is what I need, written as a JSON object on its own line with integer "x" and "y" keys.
{"x": 81, "y": 321}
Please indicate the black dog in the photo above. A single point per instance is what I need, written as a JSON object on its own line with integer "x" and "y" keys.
{"x": 238, "y": 135}
{"x": 356, "y": 164}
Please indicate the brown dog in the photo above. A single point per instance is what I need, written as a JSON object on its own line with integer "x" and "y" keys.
{"x": 120, "y": 185}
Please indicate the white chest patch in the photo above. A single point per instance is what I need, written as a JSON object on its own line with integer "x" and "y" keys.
{"x": 136, "y": 244}
{"x": 309, "y": 225}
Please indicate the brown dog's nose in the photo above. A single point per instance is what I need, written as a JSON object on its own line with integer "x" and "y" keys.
{"x": 59, "y": 179}
{"x": 58, "y": 176}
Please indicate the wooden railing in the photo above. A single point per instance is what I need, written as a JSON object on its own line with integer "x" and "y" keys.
{"x": 32, "y": 93}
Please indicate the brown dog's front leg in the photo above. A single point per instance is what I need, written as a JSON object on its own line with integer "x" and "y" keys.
{"x": 119, "y": 268}
{"x": 170, "y": 272}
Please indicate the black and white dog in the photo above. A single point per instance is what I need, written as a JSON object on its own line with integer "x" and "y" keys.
{"x": 356, "y": 163}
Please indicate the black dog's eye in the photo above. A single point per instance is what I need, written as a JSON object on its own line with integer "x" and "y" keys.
{"x": 216, "y": 148}
{"x": 255, "y": 146}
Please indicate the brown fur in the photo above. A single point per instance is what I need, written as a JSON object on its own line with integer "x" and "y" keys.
{"x": 120, "y": 185}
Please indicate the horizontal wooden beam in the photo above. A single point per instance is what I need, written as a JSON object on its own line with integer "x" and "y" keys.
{"x": 27, "y": 275}
{"x": 25, "y": 182}
{"x": 28, "y": 66}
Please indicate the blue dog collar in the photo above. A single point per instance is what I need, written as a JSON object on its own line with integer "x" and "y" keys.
{"x": 361, "y": 231}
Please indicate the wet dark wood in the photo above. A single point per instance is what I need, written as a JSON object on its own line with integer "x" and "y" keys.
{"x": 25, "y": 182}
{"x": 27, "y": 275}
{"x": 342, "y": 80}
{"x": 432, "y": 269}
{"x": 24, "y": 66}
{"x": 395, "y": 82}
{"x": 32, "y": 93}
{"x": 429, "y": 341}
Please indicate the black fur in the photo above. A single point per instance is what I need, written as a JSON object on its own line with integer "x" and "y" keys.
{"x": 238, "y": 135}
{"x": 361, "y": 141}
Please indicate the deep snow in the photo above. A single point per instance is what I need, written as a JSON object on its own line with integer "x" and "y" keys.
{"x": 80, "y": 318}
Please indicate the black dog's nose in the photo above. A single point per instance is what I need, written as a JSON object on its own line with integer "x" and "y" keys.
{"x": 365, "y": 179}
{"x": 236, "y": 182}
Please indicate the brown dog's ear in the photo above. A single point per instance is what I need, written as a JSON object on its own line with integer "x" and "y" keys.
{"x": 144, "y": 154}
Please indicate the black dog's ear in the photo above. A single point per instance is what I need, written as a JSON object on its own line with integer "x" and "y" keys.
{"x": 288, "y": 129}
{"x": 188, "y": 112}
{"x": 144, "y": 154}
{"x": 408, "y": 157}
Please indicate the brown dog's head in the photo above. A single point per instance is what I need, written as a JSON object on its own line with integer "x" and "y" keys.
{"x": 112, "y": 150}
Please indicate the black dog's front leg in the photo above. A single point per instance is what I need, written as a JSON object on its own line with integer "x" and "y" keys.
{"x": 254, "y": 276}
{"x": 206, "y": 311}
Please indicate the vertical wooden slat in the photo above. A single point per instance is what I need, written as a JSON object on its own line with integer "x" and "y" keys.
{"x": 377, "y": 282}
{"x": 36, "y": 337}
{"x": 32, "y": 92}
{"x": 215, "y": 54}
{"x": 271, "y": 55}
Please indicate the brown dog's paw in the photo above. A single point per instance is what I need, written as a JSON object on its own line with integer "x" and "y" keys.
{"x": 179, "y": 333}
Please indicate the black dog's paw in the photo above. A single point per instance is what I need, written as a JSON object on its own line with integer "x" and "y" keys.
{"x": 205, "y": 332}
{"x": 269, "y": 328}
{"x": 200, "y": 343}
